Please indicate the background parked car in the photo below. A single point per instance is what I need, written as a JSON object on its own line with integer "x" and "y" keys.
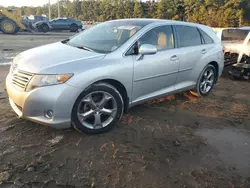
{"x": 236, "y": 44}
{"x": 66, "y": 24}
{"x": 39, "y": 23}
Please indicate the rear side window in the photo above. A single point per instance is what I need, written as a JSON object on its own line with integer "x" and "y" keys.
{"x": 205, "y": 37}
{"x": 188, "y": 36}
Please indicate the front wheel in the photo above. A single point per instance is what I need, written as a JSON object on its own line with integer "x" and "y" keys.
{"x": 8, "y": 26}
{"x": 97, "y": 109}
{"x": 206, "y": 81}
{"x": 44, "y": 28}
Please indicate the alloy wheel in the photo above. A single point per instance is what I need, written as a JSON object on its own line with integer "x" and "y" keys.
{"x": 97, "y": 110}
{"x": 207, "y": 81}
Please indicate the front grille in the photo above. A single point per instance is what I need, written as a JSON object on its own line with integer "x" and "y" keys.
{"x": 21, "y": 79}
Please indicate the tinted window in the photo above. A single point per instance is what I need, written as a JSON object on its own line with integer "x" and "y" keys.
{"x": 206, "y": 38}
{"x": 188, "y": 36}
{"x": 161, "y": 37}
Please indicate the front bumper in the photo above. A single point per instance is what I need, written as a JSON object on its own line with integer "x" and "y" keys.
{"x": 32, "y": 105}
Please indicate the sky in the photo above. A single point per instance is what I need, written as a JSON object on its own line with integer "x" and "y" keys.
{"x": 20, "y": 3}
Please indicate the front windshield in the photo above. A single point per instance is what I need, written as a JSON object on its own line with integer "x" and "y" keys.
{"x": 108, "y": 36}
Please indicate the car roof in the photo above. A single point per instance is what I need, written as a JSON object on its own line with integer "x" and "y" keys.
{"x": 150, "y": 21}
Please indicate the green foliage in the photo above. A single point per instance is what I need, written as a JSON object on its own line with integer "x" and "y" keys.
{"x": 215, "y": 13}
{"x": 138, "y": 11}
{"x": 128, "y": 9}
{"x": 161, "y": 11}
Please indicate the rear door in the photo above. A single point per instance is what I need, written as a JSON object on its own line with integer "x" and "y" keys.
{"x": 191, "y": 51}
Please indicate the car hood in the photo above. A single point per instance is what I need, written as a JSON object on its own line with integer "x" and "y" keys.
{"x": 49, "y": 56}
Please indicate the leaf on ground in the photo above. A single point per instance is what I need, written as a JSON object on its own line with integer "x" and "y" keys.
{"x": 4, "y": 176}
{"x": 55, "y": 140}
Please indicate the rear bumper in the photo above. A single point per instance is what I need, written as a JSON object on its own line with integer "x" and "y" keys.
{"x": 32, "y": 105}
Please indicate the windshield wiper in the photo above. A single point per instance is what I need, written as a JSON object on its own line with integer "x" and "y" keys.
{"x": 65, "y": 41}
{"x": 85, "y": 48}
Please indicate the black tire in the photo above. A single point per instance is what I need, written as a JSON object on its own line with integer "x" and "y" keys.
{"x": 98, "y": 87}
{"x": 12, "y": 25}
{"x": 73, "y": 28}
{"x": 44, "y": 28}
{"x": 197, "y": 92}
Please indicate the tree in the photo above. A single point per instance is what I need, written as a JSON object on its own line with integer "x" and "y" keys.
{"x": 119, "y": 9}
{"x": 138, "y": 11}
{"x": 215, "y": 13}
{"x": 161, "y": 11}
{"x": 73, "y": 9}
{"x": 178, "y": 10}
{"x": 151, "y": 9}
{"x": 128, "y": 9}
{"x": 39, "y": 11}
{"x": 106, "y": 9}
{"x": 85, "y": 11}
{"x": 29, "y": 11}
{"x": 245, "y": 7}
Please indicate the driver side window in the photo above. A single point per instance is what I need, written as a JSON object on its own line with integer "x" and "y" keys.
{"x": 161, "y": 37}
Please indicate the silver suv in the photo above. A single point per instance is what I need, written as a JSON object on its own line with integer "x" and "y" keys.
{"x": 91, "y": 79}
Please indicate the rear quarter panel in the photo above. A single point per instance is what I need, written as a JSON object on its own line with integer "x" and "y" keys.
{"x": 214, "y": 54}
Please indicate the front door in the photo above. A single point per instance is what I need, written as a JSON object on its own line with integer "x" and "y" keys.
{"x": 156, "y": 74}
{"x": 59, "y": 24}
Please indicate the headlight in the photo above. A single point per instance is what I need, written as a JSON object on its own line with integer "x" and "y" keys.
{"x": 47, "y": 80}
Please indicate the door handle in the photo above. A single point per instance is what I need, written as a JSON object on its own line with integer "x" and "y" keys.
{"x": 174, "y": 58}
{"x": 204, "y": 51}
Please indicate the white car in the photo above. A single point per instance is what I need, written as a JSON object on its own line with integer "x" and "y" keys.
{"x": 236, "y": 43}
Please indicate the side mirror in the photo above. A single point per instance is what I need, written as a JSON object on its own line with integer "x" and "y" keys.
{"x": 147, "y": 49}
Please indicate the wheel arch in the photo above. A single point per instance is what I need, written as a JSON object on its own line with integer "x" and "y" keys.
{"x": 216, "y": 65}
{"x": 73, "y": 24}
{"x": 120, "y": 87}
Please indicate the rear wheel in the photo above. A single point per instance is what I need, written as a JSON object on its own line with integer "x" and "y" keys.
{"x": 206, "y": 81}
{"x": 97, "y": 109}
{"x": 8, "y": 26}
{"x": 73, "y": 28}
